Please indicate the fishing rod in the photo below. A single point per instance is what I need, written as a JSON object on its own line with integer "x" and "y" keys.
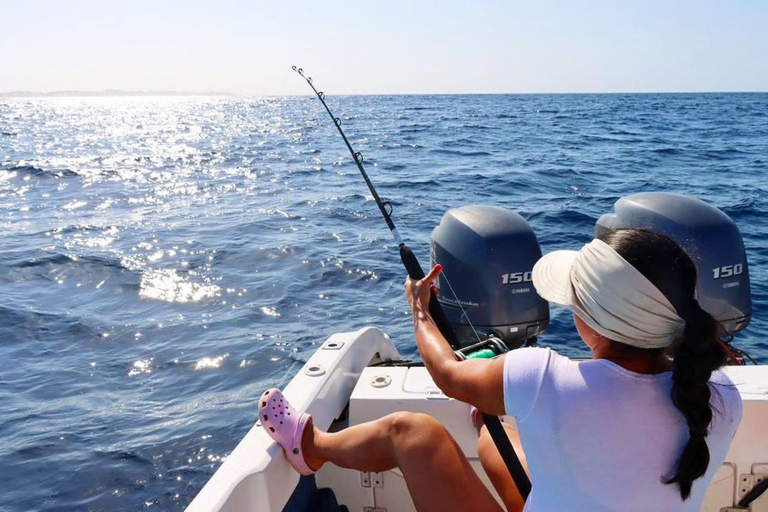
{"x": 407, "y": 256}
{"x": 412, "y": 266}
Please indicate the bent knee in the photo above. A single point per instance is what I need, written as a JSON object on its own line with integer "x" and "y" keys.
{"x": 408, "y": 423}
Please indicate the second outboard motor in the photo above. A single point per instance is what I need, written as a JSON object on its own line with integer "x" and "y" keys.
{"x": 487, "y": 254}
{"x": 708, "y": 236}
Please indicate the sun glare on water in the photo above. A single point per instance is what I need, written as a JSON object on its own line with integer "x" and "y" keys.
{"x": 167, "y": 285}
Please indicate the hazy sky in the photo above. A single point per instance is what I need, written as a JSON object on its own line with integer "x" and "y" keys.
{"x": 389, "y": 46}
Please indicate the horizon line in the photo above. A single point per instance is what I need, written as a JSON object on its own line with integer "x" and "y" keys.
{"x": 172, "y": 93}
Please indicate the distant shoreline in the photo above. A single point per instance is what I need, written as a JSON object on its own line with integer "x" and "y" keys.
{"x": 115, "y": 93}
{"x": 106, "y": 93}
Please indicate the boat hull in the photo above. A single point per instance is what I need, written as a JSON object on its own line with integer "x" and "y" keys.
{"x": 256, "y": 476}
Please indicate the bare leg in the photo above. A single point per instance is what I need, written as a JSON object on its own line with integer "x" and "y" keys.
{"x": 496, "y": 469}
{"x": 436, "y": 471}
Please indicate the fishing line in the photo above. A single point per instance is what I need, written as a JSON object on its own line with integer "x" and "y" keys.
{"x": 282, "y": 84}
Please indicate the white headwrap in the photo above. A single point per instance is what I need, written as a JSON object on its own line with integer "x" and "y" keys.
{"x": 609, "y": 294}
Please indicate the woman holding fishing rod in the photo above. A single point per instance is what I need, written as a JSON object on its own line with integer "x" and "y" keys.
{"x": 643, "y": 425}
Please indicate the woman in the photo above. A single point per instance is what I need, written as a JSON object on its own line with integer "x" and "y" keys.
{"x": 642, "y": 426}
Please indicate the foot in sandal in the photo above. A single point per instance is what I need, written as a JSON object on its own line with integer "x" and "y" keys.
{"x": 287, "y": 426}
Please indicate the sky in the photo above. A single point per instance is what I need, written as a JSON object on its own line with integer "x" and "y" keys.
{"x": 385, "y": 47}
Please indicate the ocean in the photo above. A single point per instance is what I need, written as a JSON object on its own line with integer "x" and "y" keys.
{"x": 164, "y": 260}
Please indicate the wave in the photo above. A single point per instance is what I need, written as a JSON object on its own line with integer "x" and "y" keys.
{"x": 571, "y": 217}
{"x": 416, "y": 128}
{"x": 723, "y": 154}
{"x": 619, "y": 131}
{"x": 394, "y": 167}
{"x": 610, "y": 139}
{"x": 667, "y": 151}
{"x": 56, "y": 259}
{"x": 24, "y": 325}
{"x": 455, "y": 152}
{"x": 464, "y": 142}
{"x": 427, "y": 183}
{"x": 31, "y": 170}
{"x": 744, "y": 207}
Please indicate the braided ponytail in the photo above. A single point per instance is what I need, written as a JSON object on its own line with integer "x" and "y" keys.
{"x": 698, "y": 354}
{"x": 697, "y": 357}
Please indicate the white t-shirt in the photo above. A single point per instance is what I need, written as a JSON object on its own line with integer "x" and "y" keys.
{"x": 598, "y": 437}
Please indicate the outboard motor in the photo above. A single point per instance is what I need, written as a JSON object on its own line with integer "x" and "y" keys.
{"x": 487, "y": 254}
{"x": 708, "y": 236}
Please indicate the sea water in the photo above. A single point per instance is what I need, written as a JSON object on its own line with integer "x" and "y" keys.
{"x": 165, "y": 260}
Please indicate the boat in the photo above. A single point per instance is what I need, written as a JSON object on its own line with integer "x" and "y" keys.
{"x": 355, "y": 377}
{"x": 359, "y": 376}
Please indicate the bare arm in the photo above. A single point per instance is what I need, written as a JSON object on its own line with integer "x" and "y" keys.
{"x": 478, "y": 382}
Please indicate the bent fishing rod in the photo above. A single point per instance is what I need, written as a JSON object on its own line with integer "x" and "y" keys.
{"x": 407, "y": 256}
{"x": 415, "y": 271}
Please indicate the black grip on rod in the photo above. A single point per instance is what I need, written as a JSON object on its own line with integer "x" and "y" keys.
{"x": 514, "y": 466}
{"x": 435, "y": 309}
{"x": 412, "y": 265}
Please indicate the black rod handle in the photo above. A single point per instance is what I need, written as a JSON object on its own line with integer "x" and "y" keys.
{"x": 508, "y": 454}
{"x": 435, "y": 309}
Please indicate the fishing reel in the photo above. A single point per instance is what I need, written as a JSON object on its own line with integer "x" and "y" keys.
{"x": 486, "y": 349}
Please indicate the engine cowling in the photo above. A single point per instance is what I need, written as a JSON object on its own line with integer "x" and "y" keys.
{"x": 708, "y": 236}
{"x": 487, "y": 254}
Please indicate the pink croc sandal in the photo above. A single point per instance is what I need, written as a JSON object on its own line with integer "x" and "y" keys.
{"x": 286, "y": 426}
